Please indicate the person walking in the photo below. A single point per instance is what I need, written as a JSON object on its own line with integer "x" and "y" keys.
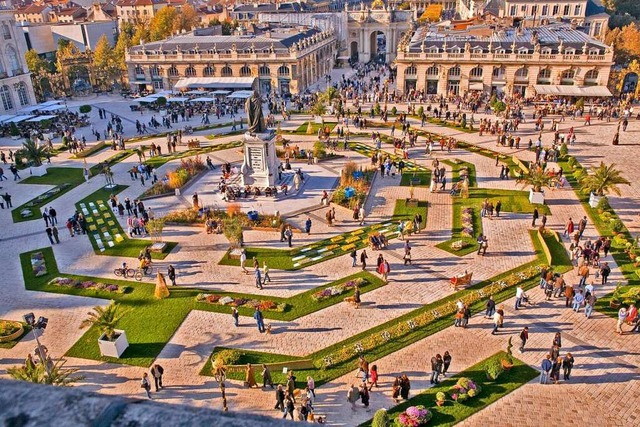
{"x": 289, "y": 406}
{"x": 582, "y": 226}
{"x": 156, "y": 372}
{"x": 577, "y": 301}
{"x": 363, "y": 259}
{"x": 171, "y": 274}
{"x": 590, "y": 303}
{"x": 265, "y": 273}
{"x": 259, "y": 320}
{"x": 146, "y": 385}
{"x": 519, "y": 294}
{"x": 266, "y": 376}
{"x": 545, "y": 369}
{"x": 605, "y": 270}
{"x": 622, "y": 317}
{"x": 555, "y": 369}
{"x": 307, "y": 226}
{"x": 524, "y": 337}
{"x": 54, "y": 231}
{"x": 235, "y": 315}
{"x": 353, "y": 395}
{"x": 243, "y": 261}
{"x": 567, "y": 366}
{"x": 7, "y": 200}
{"x": 491, "y": 308}
{"x": 289, "y": 235}
{"x": 498, "y": 208}
{"x": 446, "y": 362}
{"x": 496, "y": 322}
{"x": 386, "y": 269}
{"x": 258, "y": 276}
{"x": 568, "y": 295}
{"x": 354, "y": 258}
{"x": 436, "y": 366}
{"x": 250, "y": 376}
{"x": 50, "y": 234}
{"x": 536, "y": 215}
{"x": 279, "y": 398}
{"x": 311, "y": 385}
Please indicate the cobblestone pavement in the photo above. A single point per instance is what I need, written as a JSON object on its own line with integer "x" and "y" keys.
{"x": 606, "y": 370}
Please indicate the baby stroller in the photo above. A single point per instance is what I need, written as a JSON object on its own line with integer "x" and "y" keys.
{"x": 76, "y": 226}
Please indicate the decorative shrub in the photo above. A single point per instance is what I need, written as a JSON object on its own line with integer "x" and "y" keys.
{"x": 617, "y": 226}
{"x": 8, "y": 327}
{"x": 263, "y": 305}
{"x": 88, "y": 284}
{"x": 414, "y": 416}
{"x": 319, "y": 150}
{"x": 380, "y": 419}
{"x": 85, "y": 109}
{"x": 464, "y": 389}
{"x": 441, "y": 397}
{"x": 493, "y": 368}
{"x": 420, "y": 111}
{"x": 337, "y": 289}
{"x": 227, "y": 357}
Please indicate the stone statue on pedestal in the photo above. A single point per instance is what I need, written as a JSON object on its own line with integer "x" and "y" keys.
{"x": 255, "y": 119}
{"x": 260, "y": 163}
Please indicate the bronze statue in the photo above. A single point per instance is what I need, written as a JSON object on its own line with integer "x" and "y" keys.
{"x": 255, "y": 119}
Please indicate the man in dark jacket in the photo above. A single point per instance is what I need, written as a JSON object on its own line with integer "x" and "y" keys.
{"x": 279, "y": 398}
{"x": 156, "y": 372}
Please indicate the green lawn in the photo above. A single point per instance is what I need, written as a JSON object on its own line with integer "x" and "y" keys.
{"x": 158, "y": 161}
{"x": 150, "y": 323}
{"x": 256, "y": 358}
{"x": 92, "y": 150}
{"x": 302, "y": 129}
{"x": 407, "y": 213}
{"x": 101, "y": 219}
{"x": 424, "y": 177}
{"x": 452, "y": 412}
{"x": 450, "y": 124}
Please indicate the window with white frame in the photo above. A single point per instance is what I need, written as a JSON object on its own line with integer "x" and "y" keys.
{"x": 23, "y": 94}
{"x": 5, "y": 95}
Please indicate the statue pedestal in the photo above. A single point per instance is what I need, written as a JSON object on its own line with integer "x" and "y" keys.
{"x": 260, "y": 163}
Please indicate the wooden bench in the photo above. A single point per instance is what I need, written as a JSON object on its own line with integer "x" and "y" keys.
{"x": 461, "y": 280}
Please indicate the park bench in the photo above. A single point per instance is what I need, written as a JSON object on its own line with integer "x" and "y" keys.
{"x": 461, "y": 280}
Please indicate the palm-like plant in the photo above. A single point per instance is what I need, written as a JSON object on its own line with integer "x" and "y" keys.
{"x": 36, "y": 373}
{"x": 536, "y": 178}
{"x": 105, "y": 319}
{"x": 603, "y": 180}
{"x": 33, "y": 152}
{"x": 319, "y": 108}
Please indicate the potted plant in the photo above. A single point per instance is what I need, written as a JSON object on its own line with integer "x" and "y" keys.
{"x": 507, "y": 362}
{"x": 34, "y": 154}
{"x": 602, "y": 180}
{"x": 537, "y": 179}
{"x": 319, "y": 151}
{"x": 440, "y": 398}
{"x": 615, "y": 301}
{"x": 617, "y": 226}
{"x": 493, "y": 368}
{"x": 112, "y": 342}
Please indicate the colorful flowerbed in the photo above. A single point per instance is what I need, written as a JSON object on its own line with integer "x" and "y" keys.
{"x": 464, "y": 389}
{"x": 38, "y": 264}
{"x": 467, "y": 223}
{"x": 187, "y": 170}
{"x": 414, "y": 416}
{"x": 31, "y": 206}
{"x": 332, "y": 291}
{"x": 263, "y": 305}
{"x": 402, "y": 328}
{"x": 88, "y": 284}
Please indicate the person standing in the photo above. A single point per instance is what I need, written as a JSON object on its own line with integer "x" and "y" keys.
{"x": 524, "y": 337}
{"x": 568, "y": 230}
{"x": 283, "y": 229}
{"x": 568, "y": 295}
{"x": 498, "y": 208}
{"x": 258, "y": 276}
{"x": 156, "y": 372}
{"x": 259, "y": 320}
{"x": 311, "y": 385}
{"x": 555, "y": 369}
{"x": 567, "y": 365}
{"x": 145, "y": 384}
{"x": 545, "y": 369}
{"x": 590, "y": 303}
{"x": 435, "y": 371}
{"x": 491, "y": 307}
{"x": 250, "y": 377}
{"x": 243, "y": 261}
{"x": 622, "y": 317}
{"x": 235, "y": 315}
{"x": 279, "y": 398}
{"x": 446, "y": 362}
{"x": 289, "y": 235}
{"x": 53, "y": 216}
{"x": 7, "y": 200}
{"x": 266, "y": 376}
{"x": 361, "y": 215}
{"x": 497, "y": 319}
{"x": 536, "y": 215}
{"x": 353, "y": 394}
{"x": 581, "y": 227}
{"x": 605, "y": 270}
{"x": 363, "y": 259}
{"x": 45, "y": 216}
{"x": 577, "y": 301}
{"x": 354, "y": 258}
{"x": 307, "y": 226}
{"x": 265, "y": 273}
{"x": 519, "y": 294}
{"x": 171, "y": 273}
{"x": 386, "y": 269}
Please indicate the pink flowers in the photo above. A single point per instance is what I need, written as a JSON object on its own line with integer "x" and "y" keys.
{"x": 414, "y": 416}
{"x": 336, "y": 290}
{"x": 88, "y": 284}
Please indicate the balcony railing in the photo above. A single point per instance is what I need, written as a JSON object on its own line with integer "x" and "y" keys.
{"x": 506, "y": 57}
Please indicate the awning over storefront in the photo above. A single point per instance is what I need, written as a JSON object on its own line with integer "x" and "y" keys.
{"x": 41, "y": 118}
{"x": 178, "y": 99}
{"x": 562, "y": 90}
{"x": 216, "y": 83}
{"x": 476, "y": 86}
{"x": 241, "y": 94}
{"x": 202, "y": 99}
{"x": 18, "y": 119}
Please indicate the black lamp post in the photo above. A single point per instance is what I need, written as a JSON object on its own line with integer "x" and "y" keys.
{"x": 40, "y": 324}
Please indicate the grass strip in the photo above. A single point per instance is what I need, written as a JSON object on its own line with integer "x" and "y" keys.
{"x": 453, "y": 412}
{"x": 10, "y": 344}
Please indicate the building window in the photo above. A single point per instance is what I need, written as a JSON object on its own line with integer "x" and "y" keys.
{"x": 476, "y": 73}
{"x": 265, "y": 70}
{"x": 566, "y": 78}
{"x": 570, "y": 52}
{"x": 594, "y": 52}
{"x": 433, "y": 50}
{"x": 454, "y": 72}
{"x": 155, "y": 71}
{"x": 23, "y": 95}
{"x": 5, "y": 95}
{"x": 283, "y": 71}
{"x": 498, "y": 73}
{"x": 513, "y": 11}
{"x": 158, "y": 84}
{"x": 227, "y": 71}
{"x": 555, "y": 10}
{"x": 544, "y": 75}
{"x": 578, "y": 10}
{"x": 546, "y": 51}
{"x": 522, "y": 73}
{"x": 6, "y": 31}
{"x": 411, "y": 71}
{"x": 208, "y": 71}
{"x": 591, "y": 75}
{"x": 500, "y": 51}
{"x": 173, "y": 71}
{"x": 245, "y": 71}
{"x": 545, "y": 10}
{"x": 534, "y": 9}
{"x": 14, "y": 62}
{"x": 477, "y": 51}
{"x": 190, "y": 72}
{"x": 566, "y": 10}
{"x": 455, "y": 49}
{"x": 597, "y": 29}
{"x": 433, "y": 71}
{"x": 523, "y": 51}
{"x": 139, "y": 70}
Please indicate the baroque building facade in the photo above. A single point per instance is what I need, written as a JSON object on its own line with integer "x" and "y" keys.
{"x": 282, "y": 59}
{"x": 16, "y": 89}
{"x": 507, "y": 61}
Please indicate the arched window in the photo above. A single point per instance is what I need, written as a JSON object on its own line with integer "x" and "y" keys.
{"x": 14, "y": 62}
{"x": 283, "y": 71}
{"x": 476, "y": 73}
{"x": 155, "y": 71}
{"x": 227, "y": 71}
{"x": 566, "y": 78}
{"x": 190, "y": 72}
{"x": 454, "y": 72}
{"x": 498, "y": 73}
{"x": 5, "y": 95}
{"x": 23, "y": 95}
{"x": 522, "y": 73}
{"x": 208, "y": 71}
{"x": 173, "y": 71}
{"x": 544, "y": 75}
{"x": 411, "y": 70}
{"x": 139, "y": 70}
{"x": 3, "y": 72}
{"x": 591, "y": 75}
{"x": 265, "y": 70}
{"x": 433, "y": 71}
{"x": 245, "y": 71}
{"x": 6, "y": 31}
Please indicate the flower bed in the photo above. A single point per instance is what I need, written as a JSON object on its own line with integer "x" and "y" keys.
{"x": 188, "y": 169}
{"x": 191, "y": 216}
{"x": 38, "y": 265}
{"x": 467, "y": 223}
{"x": 354, "y": 187}
{"x": 88, "y": 284}
{"x": 337, "y": 289}
{"x": 263, "y": 305}
{"x": 464, "y": 389}
{"x": 414, "y": 416}
{"x": 398, "y": 330}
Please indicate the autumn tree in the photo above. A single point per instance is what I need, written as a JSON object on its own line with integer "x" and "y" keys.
{"x": 186, "y": 19}
{"x": 104, "y": 61}
{"x": 161, "y": 26}
{"x": 124, "y": 42}
{"x": 626, "y": 43}
{"x": 35, "y": 63}
{"x": 141, "y": 33}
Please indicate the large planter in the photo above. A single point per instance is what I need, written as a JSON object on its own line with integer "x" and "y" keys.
{"x": 13, "y": 336}
{"x": 113, "y": 348}
{"x": 594, "y": 200}
{"x": 38, "y": 170}
{"x": 536, "y": 197}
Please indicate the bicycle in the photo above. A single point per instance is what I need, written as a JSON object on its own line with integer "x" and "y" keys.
{"x": 140, "y": 273}
{"x": 125, "y": 272}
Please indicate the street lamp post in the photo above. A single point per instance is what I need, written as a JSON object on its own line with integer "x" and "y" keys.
{"x": 41, "y": 324}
